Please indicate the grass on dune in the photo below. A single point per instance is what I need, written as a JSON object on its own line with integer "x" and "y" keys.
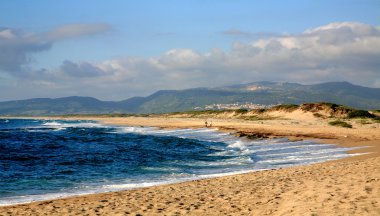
{"x": 340, "y": 123}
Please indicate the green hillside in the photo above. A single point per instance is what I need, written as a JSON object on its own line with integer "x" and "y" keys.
{"x": 265, "y": 93}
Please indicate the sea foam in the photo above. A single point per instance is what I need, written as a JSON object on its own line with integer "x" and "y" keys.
{"x": 135, "y": 157}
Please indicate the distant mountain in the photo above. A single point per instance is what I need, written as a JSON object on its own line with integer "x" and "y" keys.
{"x": 66, "y": 105}
{"x": 181, "y": 100}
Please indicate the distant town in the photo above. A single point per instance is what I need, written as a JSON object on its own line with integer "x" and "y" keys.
{"x": 232, "y": 106}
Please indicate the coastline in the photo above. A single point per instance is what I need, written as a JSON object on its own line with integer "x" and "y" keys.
{"x": 284, "y": 191}
{"x": 299, "y": 128}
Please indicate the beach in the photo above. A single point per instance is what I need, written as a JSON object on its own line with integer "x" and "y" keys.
{"x": 349, "y": 186}
{"x": 190, "y": 108}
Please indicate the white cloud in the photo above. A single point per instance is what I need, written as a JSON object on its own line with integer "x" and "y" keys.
{"x": 337, "y": 51}
{"x": 17, "y": 46}
{"x": 14, "y": 46}
{"x": 81, "y": 69}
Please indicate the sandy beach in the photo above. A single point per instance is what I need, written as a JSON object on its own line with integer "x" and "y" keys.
{"x": 189, "y": 108}
{"x": 345, "y": 187}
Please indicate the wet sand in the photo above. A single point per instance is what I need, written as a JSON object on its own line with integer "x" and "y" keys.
{"x": 345, "y": 187}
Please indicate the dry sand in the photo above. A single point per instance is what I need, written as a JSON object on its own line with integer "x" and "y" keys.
{"x": 344, "y": 187}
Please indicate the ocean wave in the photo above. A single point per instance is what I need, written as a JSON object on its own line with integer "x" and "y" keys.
{"x": 61, "y": 125}
{"x": 53, "y": 123}
{"x": 84, "y": 157}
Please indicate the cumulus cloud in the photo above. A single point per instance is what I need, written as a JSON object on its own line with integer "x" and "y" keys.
{"x": 348, "y": 51}
{"x": 338, "y": 51}
{"x": 82, "y": 69}
{"x": 16, "y": 46}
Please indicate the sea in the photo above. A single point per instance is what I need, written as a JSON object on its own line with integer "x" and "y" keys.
{"x": 48, "y": 159}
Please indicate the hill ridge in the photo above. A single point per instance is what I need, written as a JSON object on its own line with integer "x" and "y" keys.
{"x": 162, "y": 101}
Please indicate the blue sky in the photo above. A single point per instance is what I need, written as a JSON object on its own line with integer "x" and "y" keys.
{"x": 124, "y": 41}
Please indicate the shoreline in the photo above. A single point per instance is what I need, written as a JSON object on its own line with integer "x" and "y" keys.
{"x": 150, "y": 184}
{"x": 234, "y": 194}
{"x": 345, "y": 137}
{"x": 348, "y": 139}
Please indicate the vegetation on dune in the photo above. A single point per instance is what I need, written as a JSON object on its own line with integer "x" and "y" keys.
{"x": 333, "y": 108}
{"x": 260, "y": 110}
{"x": 360, "y": 114}
{"x": 336, "y": 110}
{"x": 285, "y": 107}
{"x": 340, "y": 123}
{"x": 258, "y": 118}
{"x": 241, "y": 111}
{"x": 377, "y": 115}
{"x": 318, "y": 115}
{"x": 319, "y": 110}
{"x": 363, "y": 121}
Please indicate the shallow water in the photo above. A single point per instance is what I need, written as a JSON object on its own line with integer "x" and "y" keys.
{"x": 44, "y": 159}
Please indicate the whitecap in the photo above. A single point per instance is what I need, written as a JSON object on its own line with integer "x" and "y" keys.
{"x": 53, "y": 123}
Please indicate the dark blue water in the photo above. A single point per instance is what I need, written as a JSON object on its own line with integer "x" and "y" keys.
{"x": 42, "y": 159}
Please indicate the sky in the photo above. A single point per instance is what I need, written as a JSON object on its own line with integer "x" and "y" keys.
{"x": 117, "y": 49}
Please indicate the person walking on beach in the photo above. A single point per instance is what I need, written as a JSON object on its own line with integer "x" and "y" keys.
{"x": 206, "y": 123}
